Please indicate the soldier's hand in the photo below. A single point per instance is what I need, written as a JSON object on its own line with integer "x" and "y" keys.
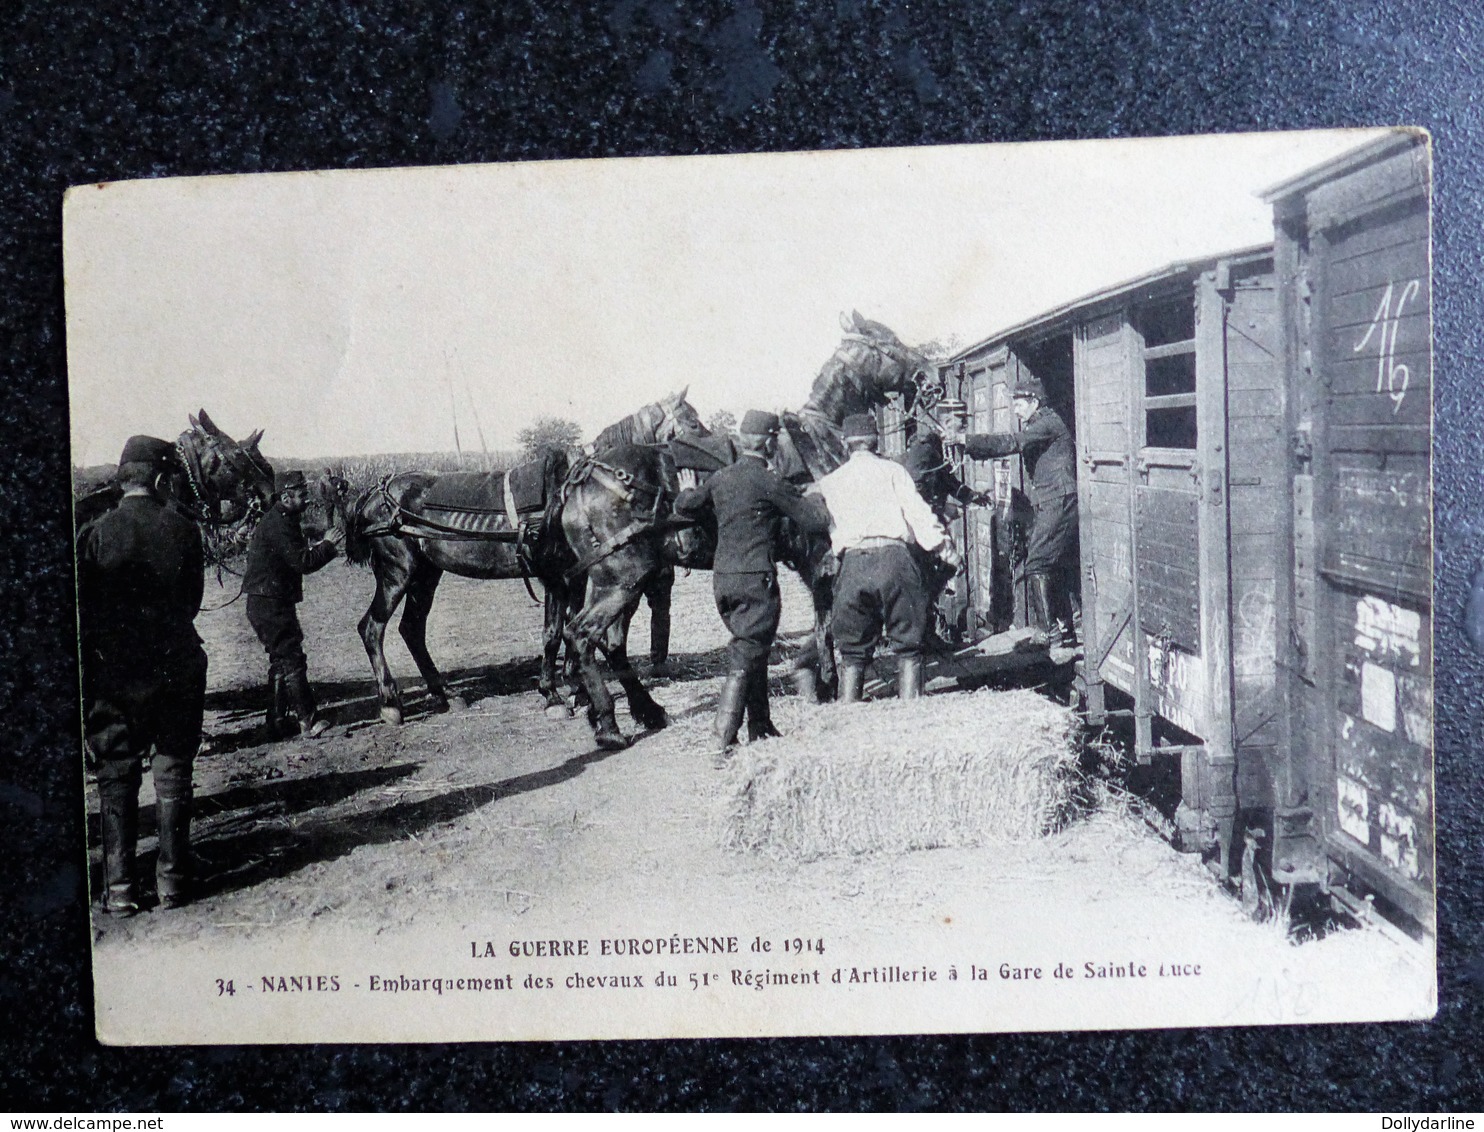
{"x": 948, "y": 554}
{"x": 336, "y": 535}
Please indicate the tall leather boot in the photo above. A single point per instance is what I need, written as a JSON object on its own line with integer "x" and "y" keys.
{"x": 909, "y": 677}
{"x": 852, "y": 676}
{"x": 118, "y": 805}
{"x": 806, "y": 684}
{"x": 1040, "y": 602}
{"x": 729, "y": 710}
{"x": 759, "y": 714}
{"x": 174, "y": 869}
{"x": 301, "y": 695}
{"x": 278, "y": 725}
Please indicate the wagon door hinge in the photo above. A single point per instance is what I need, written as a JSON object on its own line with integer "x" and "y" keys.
{"x": 1198, "y": 482}
{"x": 1303, "y": 452}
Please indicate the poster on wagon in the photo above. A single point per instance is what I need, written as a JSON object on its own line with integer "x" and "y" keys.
{"x": 982, "y": 588}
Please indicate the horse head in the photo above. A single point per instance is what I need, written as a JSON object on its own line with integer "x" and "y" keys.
{"x": 679, "y": 418}
{"x": 227, "y": 479}
{"x": 871, "y": 364}
{"x": 329, "y": 501}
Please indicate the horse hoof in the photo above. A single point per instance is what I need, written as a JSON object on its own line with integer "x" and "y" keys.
{"x": 616, "y": 741}
{"x": 391, "y": 715}
{"x": 457, "y": 703}
{"x": 558, "y": 711}
{"x": 657, "y": 722}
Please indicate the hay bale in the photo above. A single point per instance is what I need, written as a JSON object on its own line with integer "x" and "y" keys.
{"x": 948, "y": 770}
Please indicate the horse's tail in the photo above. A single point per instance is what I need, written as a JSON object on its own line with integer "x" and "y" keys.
{"x": 359, "y": 518}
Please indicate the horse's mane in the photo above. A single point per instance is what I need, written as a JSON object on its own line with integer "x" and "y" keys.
{"x": 636, "y": 428}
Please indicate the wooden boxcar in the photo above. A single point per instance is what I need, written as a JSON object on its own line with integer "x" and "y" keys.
{"x": 1252, "y": 434}
{"x": 1171, "y": 384}
{"x": 1354, "y": 804}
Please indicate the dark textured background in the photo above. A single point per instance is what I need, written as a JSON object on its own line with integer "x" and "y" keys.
{"x": 101, "y": 91}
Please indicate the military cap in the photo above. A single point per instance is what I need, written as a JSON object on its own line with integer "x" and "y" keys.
{"x": 1029, "y": 386}
{"x": 287, "y": 481}
{"x": 148, "y": 450}
{"x": 861, "y": 426}
{"x": 755, "y": 422}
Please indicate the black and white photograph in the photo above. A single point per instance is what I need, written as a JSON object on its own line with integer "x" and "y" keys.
{"x": 978, "y": 588}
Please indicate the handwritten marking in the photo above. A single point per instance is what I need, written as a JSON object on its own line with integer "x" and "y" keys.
{"x": 1391, "y": 378}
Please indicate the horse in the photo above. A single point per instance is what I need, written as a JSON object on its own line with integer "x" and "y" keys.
{"x": 221, "y": 483}
{"x": 413, "y": 527}
{"x": 616, "y": 520}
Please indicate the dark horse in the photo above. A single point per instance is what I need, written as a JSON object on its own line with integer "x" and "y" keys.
{"x": 414, "y": 527}
{"x": 617, "y": 523}
{"x": 222, "y": 483}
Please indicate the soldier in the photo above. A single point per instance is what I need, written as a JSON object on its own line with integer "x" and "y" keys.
{"x": 749, "y": 501}
{"x": 876, "y": 518}
{"x": 278, "y": 557}
{"x": 1045, "y": 444}
{"x": 140, "y": 573}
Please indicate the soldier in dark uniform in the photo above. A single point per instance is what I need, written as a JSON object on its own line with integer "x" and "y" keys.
{"x": 140, "y": 573}
{"x": 278, "y": 557}
{"x": 1046, "y": 446}
{"x": 749, "y": 501}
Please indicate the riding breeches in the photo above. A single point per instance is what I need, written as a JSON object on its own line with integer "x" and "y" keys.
{"x": 276, "y": 622}
{"x": 880, "y": 593}
{"x": 750, "y": 606}
{"x": 125, "y": 716}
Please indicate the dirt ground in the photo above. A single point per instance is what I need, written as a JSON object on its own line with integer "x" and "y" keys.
{"x": 500, "y": 810}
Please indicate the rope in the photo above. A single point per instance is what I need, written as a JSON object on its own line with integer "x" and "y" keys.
{"x": 231, "y": 601}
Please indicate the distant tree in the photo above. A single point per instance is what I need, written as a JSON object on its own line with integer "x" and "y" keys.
{"x": 548, "y": 433}
{"x": 721, "y": 422}
{"x": 941, "y": 349}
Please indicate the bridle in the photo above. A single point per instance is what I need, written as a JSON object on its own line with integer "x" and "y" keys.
{"x": 886, "y": 352}
{"x": 206, "y": 501}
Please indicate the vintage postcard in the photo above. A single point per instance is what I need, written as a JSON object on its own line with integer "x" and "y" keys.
{"x": 981, "y": 588}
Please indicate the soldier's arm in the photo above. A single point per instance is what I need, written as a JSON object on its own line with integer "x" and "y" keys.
{"x": 808, "y": 513}
{"x": 991, "y": 445}
{"x": 926, "y": 529}
{"x": 314, "y": 557}
{"x": 87, "y": 583}
{"x": 691, "y": 502}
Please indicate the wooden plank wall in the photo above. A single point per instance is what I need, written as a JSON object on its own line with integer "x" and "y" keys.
{"x": 1258, "y": 463}
{"x": 1105, "y": 456}
{"x": 1373, "y": 698}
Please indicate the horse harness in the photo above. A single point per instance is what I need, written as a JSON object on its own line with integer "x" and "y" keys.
{"x": 620, "y": 483}
{"x": 405, "y": 522}
{"x": 204, "y": 508}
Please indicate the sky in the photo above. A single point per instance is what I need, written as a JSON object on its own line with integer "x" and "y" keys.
{"x": 356, "y": 312}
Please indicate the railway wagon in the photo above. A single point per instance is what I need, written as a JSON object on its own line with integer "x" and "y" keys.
{"x": 1172, "y": 386}
{"x": 1253, "y": 442}
{"x": 1354, "y": 805}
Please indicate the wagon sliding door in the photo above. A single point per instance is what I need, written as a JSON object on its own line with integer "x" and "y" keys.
{"x": 1364, "y": 725}
{"x": 991, "y": 599}
{"x": 1182, "y": 599}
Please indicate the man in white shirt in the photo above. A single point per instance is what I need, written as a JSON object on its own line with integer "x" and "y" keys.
{"x": 876, "y": 515}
